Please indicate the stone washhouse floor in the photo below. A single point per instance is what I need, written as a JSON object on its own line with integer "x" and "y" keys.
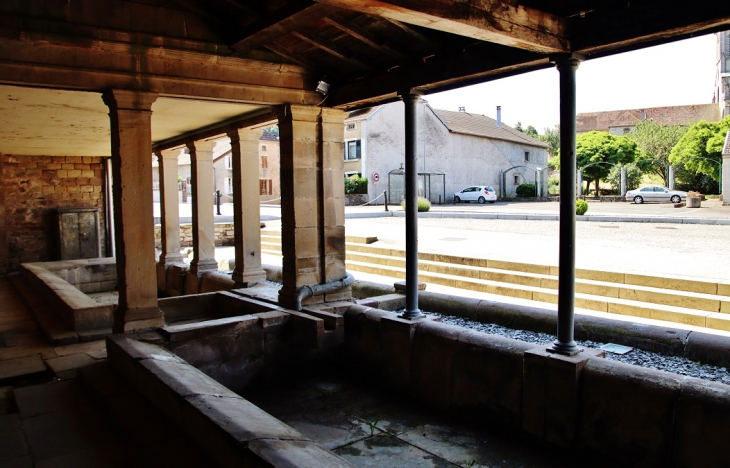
{"x": 65, "y": 407}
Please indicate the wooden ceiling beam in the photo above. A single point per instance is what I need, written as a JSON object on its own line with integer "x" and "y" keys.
{"x": 279, "y": 24}
{"x": 293, "y": 56}
{"x": 495, "y": 21}
{"x": 363, "y": 35}
{"x": 329, "y": 47}
{"x": 437, "y": 74}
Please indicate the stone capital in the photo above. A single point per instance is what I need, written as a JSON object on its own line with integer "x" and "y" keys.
{"x": 200, "y": 146}
{"x": 168, "y": 154}
{"x": 244, "y": 134}
{"x": 129, "y": 100}
{"x": 297, "y": 113}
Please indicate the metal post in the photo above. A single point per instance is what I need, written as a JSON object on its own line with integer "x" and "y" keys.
{"x": 385, "y": 195}
{"x": 218, "y": 202}
{"x": 670, "y": 179}
{"x": 412, "y": 312}
{"x": 623, "y": 181}
{"x": 565, "y": 344}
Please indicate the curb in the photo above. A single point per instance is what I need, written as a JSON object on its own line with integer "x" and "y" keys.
{"x": 546, "y": 217}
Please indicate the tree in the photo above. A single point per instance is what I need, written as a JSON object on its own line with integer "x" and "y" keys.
{"x": 656, "y": 141}
{"x": 551, "y": 137}
{"x": 605, "y": 149}
{"x": 274, "y": 130}
{"x": 530, "y": 130}
{"x": 702, "y": 140}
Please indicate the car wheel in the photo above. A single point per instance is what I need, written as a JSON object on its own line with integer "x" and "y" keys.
{"x": 638, "y": 199}
{"x": 676, "y": 199}
{"x": 457, "y": 200}
{"x": 482, "y": 200}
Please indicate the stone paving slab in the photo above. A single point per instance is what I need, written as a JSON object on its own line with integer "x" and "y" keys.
{"x": 12, "y": 442}
{"x": 55, "y": 396}
{"x": 67, "y": 431}
{"x": 23, "y": 366}
{"x": 21, "y": 462}
{"x": 71, "y": 362}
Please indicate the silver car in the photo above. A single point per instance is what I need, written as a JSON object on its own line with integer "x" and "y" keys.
{"x": 479, "y": 193}
{"x": 655, "y": 193}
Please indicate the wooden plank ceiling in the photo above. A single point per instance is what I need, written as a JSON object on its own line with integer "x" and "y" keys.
{"x": 371, "y": 49}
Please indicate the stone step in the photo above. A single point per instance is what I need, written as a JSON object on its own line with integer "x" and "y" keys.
{"x": 670, "y": 297}
{"x": 613, "y": 305}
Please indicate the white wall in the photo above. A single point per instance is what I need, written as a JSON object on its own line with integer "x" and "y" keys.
{"x": 466, "y": 160}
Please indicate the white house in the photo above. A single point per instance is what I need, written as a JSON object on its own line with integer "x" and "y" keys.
{"x": 468, "y": 149}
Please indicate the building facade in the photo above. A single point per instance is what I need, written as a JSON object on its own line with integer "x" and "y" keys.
{"x": 468, "y": 149}
{"x": 621, "y": 122}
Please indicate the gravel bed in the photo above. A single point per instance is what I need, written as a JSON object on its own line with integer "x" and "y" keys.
{"x": 637, "y": 357}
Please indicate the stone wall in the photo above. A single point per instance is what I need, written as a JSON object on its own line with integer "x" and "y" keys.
{"x": 33, "y": 188}
{"x": 223, "y": 235}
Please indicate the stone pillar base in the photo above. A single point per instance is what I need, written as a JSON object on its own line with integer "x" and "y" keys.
{"x": 138, "y": 319}
{"x": 248, "y": 279}
{"x": 550, "y": 393}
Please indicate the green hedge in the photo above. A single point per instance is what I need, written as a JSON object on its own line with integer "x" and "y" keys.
{"x": 526, "y": 190}
{"x": 356, "y": 185}
{"x": 581, "y": 206}
{"x": 423, "y": 204}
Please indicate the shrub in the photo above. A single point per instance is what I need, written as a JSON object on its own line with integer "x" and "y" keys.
{"x": 581, "y": 206}
{"x": 554, "y": 185}
{"x": 526, "y": 190}
{"x": 355, "y": 184}
{"x": 423, "y": 204}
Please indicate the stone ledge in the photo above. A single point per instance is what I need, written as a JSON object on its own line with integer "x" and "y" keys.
{"x": 77, "y": 310}
{"x": 230, "y": 429}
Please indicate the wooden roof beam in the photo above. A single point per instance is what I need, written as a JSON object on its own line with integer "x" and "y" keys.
{"x": 493, "y": 21}
{"x": 363, "y": 35}
{"x": 329, "y": 47}
{"x": 279, "y": 24}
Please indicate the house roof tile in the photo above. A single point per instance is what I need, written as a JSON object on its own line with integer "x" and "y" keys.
{"x": 671, "y": 115}
{"x": 483, "y": 126}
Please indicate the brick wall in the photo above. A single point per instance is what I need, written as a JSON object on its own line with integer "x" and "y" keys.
{"x": 33, "y": 188}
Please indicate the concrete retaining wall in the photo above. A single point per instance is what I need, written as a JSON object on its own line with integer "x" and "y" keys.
{"x": 637, "y": 416}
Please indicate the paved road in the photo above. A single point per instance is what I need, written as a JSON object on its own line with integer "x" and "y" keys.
{"x": 711, "y": 211}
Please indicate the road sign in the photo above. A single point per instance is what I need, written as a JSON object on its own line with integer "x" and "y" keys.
{"x": 376, "y": 177}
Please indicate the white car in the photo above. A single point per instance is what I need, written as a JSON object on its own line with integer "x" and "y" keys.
{"x": 478, "y": 193}
{"x": 655, "y": 193}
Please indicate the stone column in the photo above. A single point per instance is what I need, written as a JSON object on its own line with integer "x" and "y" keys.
{"x": 246, "y": 210}
{"x": 201, "y": 159}
{"x": 670, "y": 182}
{"x": 130, "y": 114}
{"x": 169, "y": 207}
{"x": 312, "y": 200}
{"x": 623, "y": 181}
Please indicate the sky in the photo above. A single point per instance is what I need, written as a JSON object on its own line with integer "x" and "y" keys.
{"x": 673, "y": 74}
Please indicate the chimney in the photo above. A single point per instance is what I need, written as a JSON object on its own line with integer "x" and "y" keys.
{"x": 499, "y": 116}
{"x": 462, "y": 109}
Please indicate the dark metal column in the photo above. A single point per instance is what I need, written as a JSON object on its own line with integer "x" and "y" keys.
{"x": 565, "y": 344}
{"x": 412, "y": 312}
